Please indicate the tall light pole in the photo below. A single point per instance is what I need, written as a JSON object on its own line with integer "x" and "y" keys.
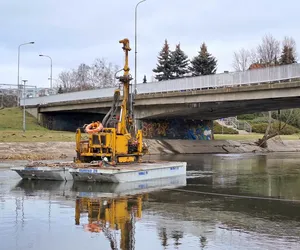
{"x": 135, "y": 58}
{"x": 18, "y": 82}
{"x": 24, "y": 108}
{"x": 50, "y": 69}
{"x": 135, "y": 45}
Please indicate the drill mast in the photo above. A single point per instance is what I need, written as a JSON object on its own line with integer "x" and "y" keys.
{"x": 113, "y": 141}
{"x": 125, "y": 120}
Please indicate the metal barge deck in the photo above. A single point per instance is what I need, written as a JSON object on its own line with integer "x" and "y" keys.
{"x": 129, "y": 173}
{"x": 45, "y": 171}
{"x": 89, "y": 172}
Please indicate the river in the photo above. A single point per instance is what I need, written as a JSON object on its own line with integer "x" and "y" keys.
{"x": 228, "y": 202}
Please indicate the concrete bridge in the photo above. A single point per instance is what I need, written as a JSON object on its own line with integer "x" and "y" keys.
{"x": 196, "y": 98}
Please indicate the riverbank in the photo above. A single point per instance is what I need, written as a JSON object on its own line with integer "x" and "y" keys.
{"x": 66, "y": 150}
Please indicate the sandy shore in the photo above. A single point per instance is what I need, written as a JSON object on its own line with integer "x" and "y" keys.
{"x": 64, "y": 150}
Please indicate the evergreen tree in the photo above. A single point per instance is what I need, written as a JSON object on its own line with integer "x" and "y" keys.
{"x": 145, "y": 79}
{"x": 287, "y": 55}
{"x": 164, "y": 66}
{"x": 204, "y": 63}
{"x": 180, "y": 63}
{"x": 60, "y": 90}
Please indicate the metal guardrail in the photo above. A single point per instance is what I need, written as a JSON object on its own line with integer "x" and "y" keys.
{"x": 231, "y": 121}
{"x": 239, "y": 125}
{"x": 258, "y": 76}
{"x": 243, "y": 125}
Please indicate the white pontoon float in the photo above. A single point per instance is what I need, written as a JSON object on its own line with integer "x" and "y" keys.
{"x": 129, "y": 173}
{"x": 94, "y": 173}
{"x": 45, "y": 171}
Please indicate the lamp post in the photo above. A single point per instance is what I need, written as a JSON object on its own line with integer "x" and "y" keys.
{"x": 24, "y": 108}
{"x": 50, "y": 69}
{"x": 135, "y": 46}
{"x": 18, "y": 82}
{"x": 135, "y": 57}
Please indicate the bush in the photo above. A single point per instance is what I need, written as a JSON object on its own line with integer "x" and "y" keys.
{"x": 286, "y": 115}
{"x": 8, "y": 101}
{"x": 218, "y": 129}
{"x": 249, "y": 116}
{"x": 263, "y": 119}
{"x": 261, "y": 128}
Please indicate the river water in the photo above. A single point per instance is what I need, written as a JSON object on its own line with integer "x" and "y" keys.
{"x": 226, "y": 202}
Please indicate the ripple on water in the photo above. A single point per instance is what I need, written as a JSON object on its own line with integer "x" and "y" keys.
{"x": 43, "y": 216}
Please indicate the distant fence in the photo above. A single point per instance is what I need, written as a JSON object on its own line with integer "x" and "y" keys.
{"x": 249, "y": 77}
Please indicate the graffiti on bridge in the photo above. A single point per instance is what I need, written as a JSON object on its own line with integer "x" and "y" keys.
{"x": 177, "y": 129}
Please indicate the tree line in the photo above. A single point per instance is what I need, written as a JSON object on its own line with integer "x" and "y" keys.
{"x": 270, "y": 52}
{"x": 171, "y": 65}
{"x": 100, "y": 74}
{"x": 176, "y": 64}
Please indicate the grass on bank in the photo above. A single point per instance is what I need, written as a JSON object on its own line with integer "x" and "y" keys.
{"x": 11, "y": 125}
{"x": 12, "y": 119}
{"x": 36, "y": 136}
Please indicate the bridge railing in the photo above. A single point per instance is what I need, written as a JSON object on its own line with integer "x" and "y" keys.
{"x": 74, "y": 96}
{"x": 258, "y": 76}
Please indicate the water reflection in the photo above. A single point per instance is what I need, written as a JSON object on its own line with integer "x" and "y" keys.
{"x": 110, "y": 215}
{"x": 110, "y": 209}
{"x": 273, "y": 175}
{"x": 58, "y": 215}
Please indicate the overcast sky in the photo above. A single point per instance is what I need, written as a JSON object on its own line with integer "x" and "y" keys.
{"x": 74, "y": 31}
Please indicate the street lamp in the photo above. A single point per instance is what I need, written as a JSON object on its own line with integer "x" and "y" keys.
{"x": 24, "y": 108}
{"x": 135, "y": 46}
{"x": 18, "y": 82}
{"x": 135, "y": 55}
{"x": 50, "y": 69}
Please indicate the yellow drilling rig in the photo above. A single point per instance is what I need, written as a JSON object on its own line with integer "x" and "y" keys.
{"x": 113, "y": 140}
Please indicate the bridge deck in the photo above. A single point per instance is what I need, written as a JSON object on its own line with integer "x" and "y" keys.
{"x": 250, "y": 77}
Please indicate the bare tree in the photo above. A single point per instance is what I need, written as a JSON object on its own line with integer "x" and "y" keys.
{"x": 271, "y": 131}
{"x": 65, "y": 80}
{"x": 254, "y": 57}
{"x": 269, "y": 50}
{"x": 82, "y": 76}
{"x": 104, "y": 73}
{"x": 99, "y": 75}
{"x": 241, "y": 60}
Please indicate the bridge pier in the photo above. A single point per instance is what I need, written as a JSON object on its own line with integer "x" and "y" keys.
{"x": 183, "y": 129}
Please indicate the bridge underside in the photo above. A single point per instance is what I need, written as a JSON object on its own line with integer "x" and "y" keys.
{"x": 216, "y": 110}
{"x": 201, "y": 105}
{"x": 68, "y": 121}
{"x": 181, "y": 121}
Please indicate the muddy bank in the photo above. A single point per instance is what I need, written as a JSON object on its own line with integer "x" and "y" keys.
{"x": 66, "y": 150}
{"x": 36, "y": 150}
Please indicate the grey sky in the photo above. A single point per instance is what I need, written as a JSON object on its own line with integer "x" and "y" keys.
{"x": 74, "y": 31}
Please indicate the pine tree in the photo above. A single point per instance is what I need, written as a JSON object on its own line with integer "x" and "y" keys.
{"x": 164, "y": 66}
{"x": 180, "y": 63}
{"x": 60, "y": 90}
{"x": 145, "y": 79}
{"x": 204, "y": 63}
{"x": 287, "y": 55}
